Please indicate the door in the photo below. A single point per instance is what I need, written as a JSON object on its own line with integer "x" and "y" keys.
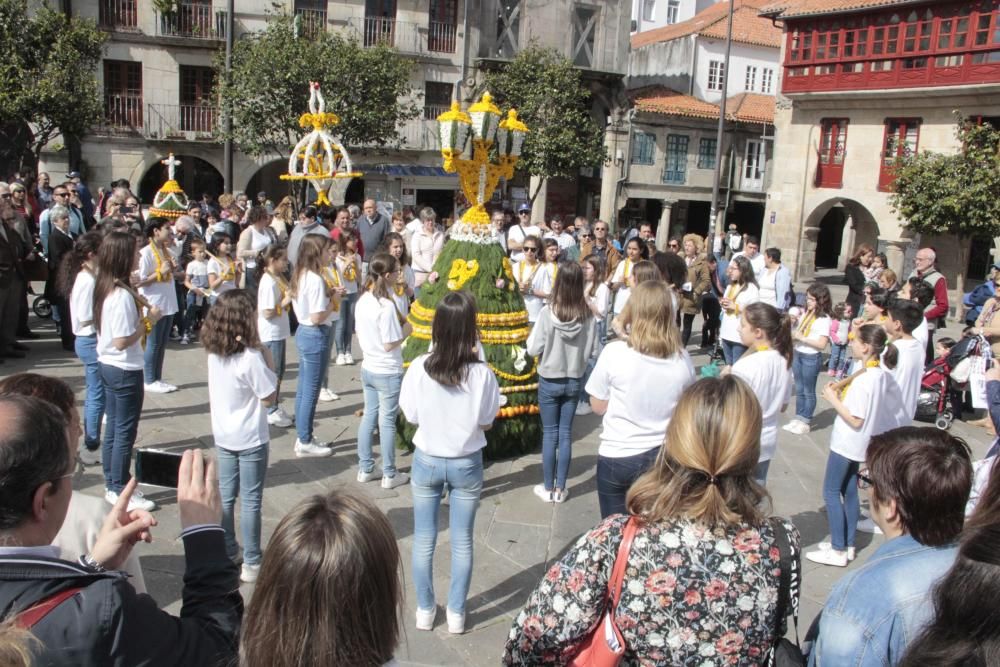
{"x": 753, "y": 166}
{"x": 832, "y": 151}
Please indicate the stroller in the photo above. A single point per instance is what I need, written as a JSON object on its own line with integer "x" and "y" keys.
{"x": 943, "y": 379}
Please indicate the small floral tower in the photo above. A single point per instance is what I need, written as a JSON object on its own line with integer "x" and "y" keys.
{"x": 474, "y": 260}
{"x": 170, "y": 201}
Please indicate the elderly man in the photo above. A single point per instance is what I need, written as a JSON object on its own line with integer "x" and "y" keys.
{"x": 926, "y": 270}
{"x": 60, "y": 196}
{"x": 60, "y": 243}
{"x": 372, "y": 228}
{"x": 601, "y": 246}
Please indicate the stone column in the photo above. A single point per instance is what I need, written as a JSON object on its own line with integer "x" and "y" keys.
{"x": 894, "y": 252}
{"x": 663, "y": 228}
{"x": 538, "y": 206}
{"x": 846, "y": 243}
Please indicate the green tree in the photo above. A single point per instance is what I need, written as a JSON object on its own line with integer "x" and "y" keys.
{"x": 547, "y": 91}
{"x": 954, "y": 194}
{"x": 47, "y": 79}
{"x": 269, "y": 88}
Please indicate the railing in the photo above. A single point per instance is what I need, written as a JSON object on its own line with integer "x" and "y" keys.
{"x": 312, "y": 22}
{"x": 405, "y": 37}
{"x": 181, "y": 121}
{"x": 432, "y": 111}
{"x": 119, "y": 15}
{"x": 193, "y": 20}
{"x": 378, "y": 30}
{"x": 122, "y": 111}
{"x": 419, "y": 134}
{"x": 441, "y": 37}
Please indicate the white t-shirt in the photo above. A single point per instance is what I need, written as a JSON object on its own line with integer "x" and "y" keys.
{"x": 874, "y": 397}
{"x": 119, "y": 319}
{"x": 342, "y": 264}
{"x": 757, "y": 263}
{"x": 921, "y": 333}
{"x": 377, "y": 323}
{"x": 524, "y": 272}
{"x": 81, "y": 304}
{"x": 403, "y": 300}
{"x": 599, "y": 300}
{"x": 622, "y": 273}
{"x": 218, "y": 269}
{"x": 236, "y": 386}
{"x": 517, "y": 233}
{"x": 163, "y": 295}
{"x": 311, "y": 298}
{"x": 819, "y": 327}
{"x": 562, "y": 238}
{"x": 768, "y": 375}
{"x": 197, "y": 273}
{"x": 469, "y": 406}
{"x": 730, "y": 327}
{"x": 269, "y": 298}
{"x": 907, "y": 374}
{"x": 766, "y": 281}
{"x": 642, "y": 392}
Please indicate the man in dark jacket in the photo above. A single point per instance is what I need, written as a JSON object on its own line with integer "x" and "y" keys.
{"x": 94, "y": 615}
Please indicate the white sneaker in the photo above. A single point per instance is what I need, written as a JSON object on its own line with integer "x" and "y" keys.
{"x": 167, "y": 386}
{"x": 869, "y": 526}
{"x": 248, "y": 573}
{"x": 89, "y": 457}
{"x": 281, "y": 411}
{"x": 313, "y": 449}
{"x": 798, "y": 427}
{"x": 277, "y": 419}
{"x": 583, "y": 409}
{"x": 155, "y": 388}
{"x": 829, "y": 557}
{"x": 365, "y": 477}
{"x": 456, "y": 622}
{"x": 399, "y": 479}
{"x": 559, "y": 495}
{"x": 326, "y": 395}
{"x": 425, "y": 618}
{"x": 348, "y": 359}
{"x": 790, "y": 426}
{"x": 340, "y": 360}
{"x": 826, "y": 546}
{"x": 539, "y": 490}
{"x": 136, "y": 502}
{"x": 185, "y": 340}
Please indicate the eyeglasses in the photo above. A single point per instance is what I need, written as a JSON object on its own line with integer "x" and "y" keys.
{"x": 530, "y": 249}
{"x": 864, "y": 481}
{"x": 60, "y": 194}
{"x": 600, "y": 229}
{"x": 586, "y": 236}
{"x": 6, "y": 195}
{"x": 524, "y": 212}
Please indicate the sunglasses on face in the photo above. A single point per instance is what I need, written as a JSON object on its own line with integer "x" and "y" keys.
{"x": 530, "y": 249}
{"x": 525, "y": 213}
{"x": 864, "y": 481}
{"x": 585, "y": 236}
{"x": 673, "y": 245}
{"x": 60, "y": 194}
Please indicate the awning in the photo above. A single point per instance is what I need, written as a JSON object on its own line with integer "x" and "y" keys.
{"x": 401, "y": 170}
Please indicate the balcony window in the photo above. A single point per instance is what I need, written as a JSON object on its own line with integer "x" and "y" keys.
{"x": 901, "y": 138}
{"x": 643, "y": 145}
{"x": 706, "y": 153}
{"x": 832, "y": 151}
{"x": 716, "y": 74}
{"x": 442, "y": 27}
{"x": 123, "y": 94}
{"x": 118, "y": 15}
{"x": 673, "y": 7}
{"x": 195, "y": 19}
{"x": 437, "y": 99}
{"x": 751, "y": 79}
{"x": 198, "y": 110}
{"x": 675, "y": 163}
{"x": 310, "y": 15}
{"x": 767, "y": 81}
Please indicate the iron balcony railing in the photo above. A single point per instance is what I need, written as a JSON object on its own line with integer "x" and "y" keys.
{"x": 404, "y": 36}
{"x": 193, "y": 20}
{"x": 311, "y": 22}
{"x": 126, "y": 114}
{"x": 118, "y": 15}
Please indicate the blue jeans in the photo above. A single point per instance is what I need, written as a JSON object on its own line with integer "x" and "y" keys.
{"x": 330, "y": 337}
{"x": 277, "y": 348}
{"x": 311, "y": 342}
{"x": 602, "y": 336}
{"x": 381, "y": 404}
{"x": 557, "y": 400}
{"x": 615, "y": 477}
{"x": 464, "y": 478}
{"x": 242, "y": 474}
{"x": 805, "y": 369}
{"x": 123, "y": 394}
{"x": 156, "y": 347}
{"x": 840, "y": 493}
{"x": 731, "y": 351}
{"x": 93, "y": 406}
{"x": 760, "y": 472}
{"x": 838, "y": 358}
{"x": 345, "y": 325}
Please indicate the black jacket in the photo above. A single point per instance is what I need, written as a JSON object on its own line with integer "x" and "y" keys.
{"x": 108, "y": 623}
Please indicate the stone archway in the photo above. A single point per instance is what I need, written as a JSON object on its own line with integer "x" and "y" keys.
{"x": 194, "y": 175}
{"x": 832, "y": 231}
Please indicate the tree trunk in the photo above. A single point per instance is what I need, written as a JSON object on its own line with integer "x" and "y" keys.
{"x": 964, "y": 249}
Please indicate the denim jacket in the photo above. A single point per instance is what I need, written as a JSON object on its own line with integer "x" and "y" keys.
{"x": 874, "y": 613}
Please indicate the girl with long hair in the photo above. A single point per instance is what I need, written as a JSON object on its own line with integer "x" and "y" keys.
{"x": 598, "y": 297}
{"x": 274, "y": 299}
{"x": 701, "y": 539}
{"x": 329, "y": 590}
{"x": 349, "y": 267}
{"x": 635, "y": 251}
{"x": 241, "y": 384}
{"x": 635, "y": 386}
{"x": 121, "y": 328}
{"x": 526, "y": 272}
{"x": 381, "y": 332}
{"x": 157, "y": 271}
{"x": 315, "y": 301}
{"x": 563, "y": 339}
{"x": 767, "y": 369}
{"x": 223, "y": 271}
{"x": 867, "y": 403}
{"x": 741, "y": 292}
{"x": 335, "y": 279}
{"x": 402, "y": 291}
{"x": 451, "y": 379}
{"x": 811, "y": 335}
{"x": 854, "y": 275}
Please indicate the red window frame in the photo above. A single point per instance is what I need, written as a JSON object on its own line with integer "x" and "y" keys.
{"x": 832, "y": 153}
{"x": 896, "y": 144}
{"x": 123, "y": 93}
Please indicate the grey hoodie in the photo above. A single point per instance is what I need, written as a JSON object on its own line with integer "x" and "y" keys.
{"x": 563, "y": 348}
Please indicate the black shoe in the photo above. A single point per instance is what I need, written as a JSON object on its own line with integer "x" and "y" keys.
{"x": 19, "y": 346}
{"x": 30, "y": 335}
{"x": 13, "y": 354}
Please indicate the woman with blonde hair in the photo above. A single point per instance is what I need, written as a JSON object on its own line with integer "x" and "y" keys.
{"x": 636, "y": 385}
{"x": 703, "y": 569}
{"x": 283, "y": 219}
{"x": 698, "y": 282}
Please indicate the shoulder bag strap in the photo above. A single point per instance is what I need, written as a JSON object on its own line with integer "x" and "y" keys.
{"x": 785, "y": 579}
{"x": 621, "y": 561}
{"x": 32, "y": 616}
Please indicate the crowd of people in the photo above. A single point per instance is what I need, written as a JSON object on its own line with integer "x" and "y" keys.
{"x": 705, "y": 574}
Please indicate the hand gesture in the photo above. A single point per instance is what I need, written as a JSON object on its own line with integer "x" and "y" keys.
{"x": 121, "y": 531}
{"x": 432, "y": 278}
{"x": 286, "y": 301}
{"x": 154, "y": 314}
{"x": 830, "y": 392}
{"x": 198, "y": 490}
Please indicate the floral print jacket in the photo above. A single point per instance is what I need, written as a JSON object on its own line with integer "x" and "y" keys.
{"x": 692, "y": 595}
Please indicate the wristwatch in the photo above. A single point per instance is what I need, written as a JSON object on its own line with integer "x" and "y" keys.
{"x": 88, "y": 561}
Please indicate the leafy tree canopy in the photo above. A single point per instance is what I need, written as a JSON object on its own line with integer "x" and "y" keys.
{"x": 547, "y": 91}
{"x": 269, "y": 88}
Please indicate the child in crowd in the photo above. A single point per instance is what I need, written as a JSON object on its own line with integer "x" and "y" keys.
{"x": 597, "y": 294}
{"x": 274, "y": 299}
{"x": 874, "y": 310}
{"x": 840, "y": 330}
{"x": 406, "y": 281}
{"x": 196, "y": 282}
{"x": 349, "y": 268}
{"x": 904, "y": 317}
{"x": 635, "y": 251}
{"x": 223, "y": 270}
{"x": 875, "y": 269}
{"x": 810, "y": 336}
{"x": 741, "y": 292}
{"x": 241, "y": 383}
{"x": 337, "y": 285}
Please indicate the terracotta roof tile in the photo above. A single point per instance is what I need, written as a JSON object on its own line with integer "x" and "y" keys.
{"x": 751, "y": 108}
{"x": 749, "y": 27}
{"x": 792, "y": 8}
{"x": 745, "y": 107}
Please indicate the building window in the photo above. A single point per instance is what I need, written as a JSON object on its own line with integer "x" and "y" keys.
{"x": 832, "y": 151}
{"x": 753, "y": 166}
{"x": 706, "y": 153}
{"x": 648, "y": 10}
{"x": 716, "y": 74}
{"x": 673, "y": 7}
{"x": 311, "y": 17}
{"x": 901, "y": 137}
{"x": 123, "y": 93}
{"x": 118, "y": 15}
{"x": 442, "y": 26}
{"x": 767, "y": 81}
{"x": 437, "y": 99}
{"x": 642, "y": 147}
{"x": 197, "y": 109}
{"x": 675, "y": 164}
{"x": 751, "y": 79}
{"x": 584, "y": 34}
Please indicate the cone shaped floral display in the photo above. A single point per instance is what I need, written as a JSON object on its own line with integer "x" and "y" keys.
{"x": 170, "y": 200}
{"x": 474, "y": 260}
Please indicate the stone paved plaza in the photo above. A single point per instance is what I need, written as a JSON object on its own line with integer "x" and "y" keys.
{"x": 517, "y": 536}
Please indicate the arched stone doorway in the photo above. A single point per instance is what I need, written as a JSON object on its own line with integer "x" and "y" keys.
{"x": 268, "y": 179}
{"x": 193, "y": 174}
{"x": 832, "y": 231}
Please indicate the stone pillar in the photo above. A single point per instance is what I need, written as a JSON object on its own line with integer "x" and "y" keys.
{"x": 895, "y": 250}
{"x": 538, "y": 206}
{"x": 847, "y": 241}
{"x": 663, "y": 228}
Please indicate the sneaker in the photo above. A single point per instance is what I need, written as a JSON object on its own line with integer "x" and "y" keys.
{"x": 790, "y": 426}
{"x": 583, "y": 408}
{"x": 136, "y": 502}
{"x": 826, "y": 546}
{"x": 281, "y": 411}
{"x": 156, "y": 388}
{"x": 545, "y": 496}
{"x": 829, "y": 557}
{"x": 326, "y": 395}
{"x": 559, "y": 495}
{"x": 370, "y": 476}
{"x": 341, "y": 362}
{"x": 278, "y": 419}
{"x": 312, "y": 449}
{"x": 185, "y": 340}
{"x": 348, "y": 359}
{"x": 167, "y": 387}
{"x": 175, "y": 334}
{"x": 425, "y": 618}
{"x": 869, "y": 526}
{"x": 399, "y": 479}
{"x": 799, "y": 427}
{"x": 89, "y": 457}
{"x": 456, "y": 622}
{"x": 248, "y": 573}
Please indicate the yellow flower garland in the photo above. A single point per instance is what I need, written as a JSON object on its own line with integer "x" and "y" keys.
{"x": 510, "y": 377}
{"x": 482, "y": 319}
{"x": 517, "y": 411}
{"x": 514, "y": 389}
{"x": 488, "y": 336}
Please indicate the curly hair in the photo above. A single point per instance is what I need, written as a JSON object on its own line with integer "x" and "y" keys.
{"x": 231, "y": 324}
{"x": 699, "y": 243}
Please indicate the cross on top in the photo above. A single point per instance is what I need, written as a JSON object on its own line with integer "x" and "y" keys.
{"x": 171, "y": 163}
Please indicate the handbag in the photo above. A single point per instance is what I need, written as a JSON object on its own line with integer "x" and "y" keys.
{"x": 784, "y": 652}
{"x": 605, "y": 646}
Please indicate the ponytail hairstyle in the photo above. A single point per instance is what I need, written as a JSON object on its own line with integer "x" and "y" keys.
{"x": 231, "y": 324}
{"x": 777, "y": 327}
{"x": 567, "y": 301}
{"x": 600, "y": 273}
{"x": 269, "y": 255}
{"x": 72, "y": 263}
{"x": 380, "y": 266}
{"x": 115, "y": 260}
{"x": 454, "y": 338}
{"x": 824, "y": 304}
{"x": 310, "y": 258}
{"x": 875, "y": 336}
{"x": 881, "y": 299}
{"x": 404, "y": 259}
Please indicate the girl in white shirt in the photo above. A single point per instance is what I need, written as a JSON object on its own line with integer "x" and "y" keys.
{"x": 402, "y": 292}
{"x": 274, "y": 299}
{"x": 811, "y": 335}
{"x": 223, "y": 271}
{"x": 157, "y": 271}
{"x": 767, "y": 369}
{"x": 349, "y": 268}
{"x": 526, "y": 274}
{"x": 598, "y": 295}
{"x": 635, "y": 252}
{"x": 635, "y": 386}
{"x": 241, "y": 384}
{"x": 121, "y": 328}
{"x": 81, "y": 270}
{"x": 451, "y": 380}
{"x": 742, "y": 291}
{"x": 381, "y": 332}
